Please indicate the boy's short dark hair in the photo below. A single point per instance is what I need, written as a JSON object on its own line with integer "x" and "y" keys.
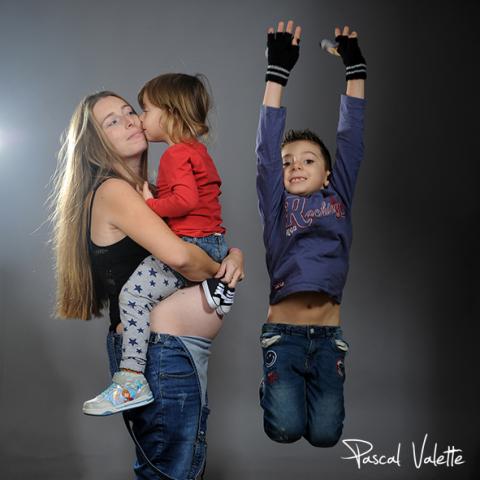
{"x": 296, "y": 135}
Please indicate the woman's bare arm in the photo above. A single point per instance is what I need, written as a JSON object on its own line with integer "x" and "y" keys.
{"x": 126, "y": 210}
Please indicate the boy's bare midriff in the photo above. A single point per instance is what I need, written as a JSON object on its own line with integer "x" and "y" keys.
{"x": 305, "y": 308}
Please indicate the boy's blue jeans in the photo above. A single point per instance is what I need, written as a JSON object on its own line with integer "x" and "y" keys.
{"x": 170, "y": 433}
{"x": 302, "y": 387}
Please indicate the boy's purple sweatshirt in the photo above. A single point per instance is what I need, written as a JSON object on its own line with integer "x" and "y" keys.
{"x": 307, "y": 238}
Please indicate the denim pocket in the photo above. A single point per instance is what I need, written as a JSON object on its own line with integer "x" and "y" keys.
{"x": 268, "y": 339}
{"x": 340, "y": 345}
{"x": 176, "y": 362}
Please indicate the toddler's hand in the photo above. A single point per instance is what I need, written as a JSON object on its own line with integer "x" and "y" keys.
{"x": 146, "y": 191}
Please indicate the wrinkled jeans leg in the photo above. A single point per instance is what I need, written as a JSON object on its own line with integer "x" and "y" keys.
{"x": 325, "y": 401}
{"x": 282, "y": 390}
{"x": 170, "y": 432}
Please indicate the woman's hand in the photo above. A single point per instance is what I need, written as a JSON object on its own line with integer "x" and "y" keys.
{"x": 231, "y": 269}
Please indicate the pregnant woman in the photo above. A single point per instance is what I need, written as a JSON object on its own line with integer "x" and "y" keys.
{"x": 102, "y": 230}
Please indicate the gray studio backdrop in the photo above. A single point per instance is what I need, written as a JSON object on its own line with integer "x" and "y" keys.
{"x": 410, "y": 307}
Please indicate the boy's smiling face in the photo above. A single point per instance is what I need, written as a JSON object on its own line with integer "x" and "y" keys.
{"x": 304, "y": 170}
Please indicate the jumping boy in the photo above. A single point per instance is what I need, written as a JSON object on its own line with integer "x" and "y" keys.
{"x": 305, "y": 204}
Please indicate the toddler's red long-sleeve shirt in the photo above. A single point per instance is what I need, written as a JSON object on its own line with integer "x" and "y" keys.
{"x": 188, "y": 189}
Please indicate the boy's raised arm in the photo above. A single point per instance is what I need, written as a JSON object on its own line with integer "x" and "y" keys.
{"x": 350, "y": 149}
{"x": 282, "y": 54}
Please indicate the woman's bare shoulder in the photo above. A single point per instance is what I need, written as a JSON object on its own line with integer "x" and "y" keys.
{"x": 114, "y": 186}
{"x": 115, "y": 191}
{"x": 116, "y": 200}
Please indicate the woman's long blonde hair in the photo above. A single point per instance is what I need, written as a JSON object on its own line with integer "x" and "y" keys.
{"x": 85, "y": 159}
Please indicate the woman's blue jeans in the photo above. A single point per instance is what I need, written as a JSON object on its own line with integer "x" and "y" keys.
{"x": 170, "y": 432}
{"x": 302, "y": 387}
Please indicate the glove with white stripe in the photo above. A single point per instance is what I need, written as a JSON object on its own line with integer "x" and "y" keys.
{"x": 355, "y": 63}
{"x": 282, "y": 56}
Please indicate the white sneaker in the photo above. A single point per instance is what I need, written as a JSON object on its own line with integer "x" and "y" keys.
{"x": 219, "y": 296}
{"x": 128, "y": 390}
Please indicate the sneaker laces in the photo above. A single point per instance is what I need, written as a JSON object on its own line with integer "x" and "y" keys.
{"x": 220, "y": 288}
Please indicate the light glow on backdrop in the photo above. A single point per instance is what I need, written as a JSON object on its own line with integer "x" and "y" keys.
{"x": 7, "y": 138}
{"x": 11, "y": 137}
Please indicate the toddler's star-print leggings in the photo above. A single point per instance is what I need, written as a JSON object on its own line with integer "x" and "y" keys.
{"x": 150, "y": 283}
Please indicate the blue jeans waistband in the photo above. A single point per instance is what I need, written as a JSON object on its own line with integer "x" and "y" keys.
{"x": 307, "y": 331}
{"x": 158, "y": 337}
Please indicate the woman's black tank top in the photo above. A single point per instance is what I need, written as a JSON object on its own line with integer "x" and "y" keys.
{"x": 112, "y": 266}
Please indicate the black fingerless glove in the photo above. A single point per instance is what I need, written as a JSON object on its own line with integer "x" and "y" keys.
{"x": 355, "y": 63}
{"x": 282, "y": 56}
